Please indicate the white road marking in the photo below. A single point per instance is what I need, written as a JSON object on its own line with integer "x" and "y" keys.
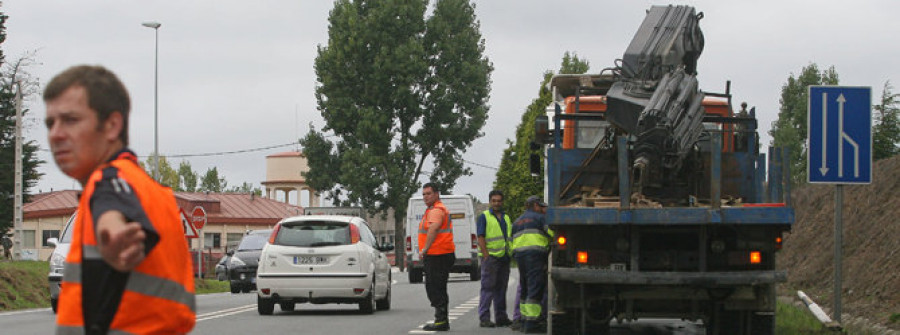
{"x": 225, "y": 312}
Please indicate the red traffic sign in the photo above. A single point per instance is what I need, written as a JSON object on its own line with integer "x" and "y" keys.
{"x": 189, "y": 230}
{"x": 198, "y": 217}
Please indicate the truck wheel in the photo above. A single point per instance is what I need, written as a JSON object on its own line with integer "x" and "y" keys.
{"x": 415, "y": 275}
{"x": 475, "y": 272}
{"x": 565, "y": 323}
{"x": 763, "y": 323}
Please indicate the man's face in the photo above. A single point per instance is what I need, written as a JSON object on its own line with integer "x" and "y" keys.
{"x": 496, "y": 202}
{"x": 429, "y": 195}
{"x": 78, "y": 142}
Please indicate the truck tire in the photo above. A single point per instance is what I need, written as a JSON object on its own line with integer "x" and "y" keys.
{"x": 475, "y": 272}
{"x": 415, "y": 275}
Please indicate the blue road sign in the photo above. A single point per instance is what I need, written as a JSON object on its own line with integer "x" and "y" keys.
{"x": 840, "y": 135}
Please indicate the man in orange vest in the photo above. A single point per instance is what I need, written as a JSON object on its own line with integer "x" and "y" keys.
{"x": 436, "y": 246}
{"x": 128, "y": 270}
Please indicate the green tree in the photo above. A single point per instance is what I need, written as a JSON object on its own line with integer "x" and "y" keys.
{"x": 187, "y": 176}
{"x": 514, "y": 176}
{"x": 167, "y": 175}
{"x": 886, "y": 131}
{"x": 211, "y": 181}
{"x": 14, "y": 77}
{"x": 245, "y": 187}
{"x": 789, "y": 130}
{"x": 398, "y": 91}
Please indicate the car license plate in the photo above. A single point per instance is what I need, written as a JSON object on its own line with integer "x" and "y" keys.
{"x": 310, "y": 259}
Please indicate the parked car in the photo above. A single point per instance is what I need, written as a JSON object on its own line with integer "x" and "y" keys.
{"x": 323, "y": 259}
{"x": 243, "y": 262}
{"x": 58, "y": 260}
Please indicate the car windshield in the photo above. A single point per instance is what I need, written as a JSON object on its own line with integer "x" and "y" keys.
{"x": 66, "y": 236}
{"x": 253, "y": 242}
{"x": 313, "y": 234}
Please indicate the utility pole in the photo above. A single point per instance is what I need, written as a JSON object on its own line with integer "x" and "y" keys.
{"x": 17, "y": 203}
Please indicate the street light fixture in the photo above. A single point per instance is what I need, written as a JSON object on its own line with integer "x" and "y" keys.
{"x": 155, "y": 26}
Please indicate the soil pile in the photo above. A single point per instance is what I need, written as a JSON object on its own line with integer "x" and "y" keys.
{"x": 871, "y": 234}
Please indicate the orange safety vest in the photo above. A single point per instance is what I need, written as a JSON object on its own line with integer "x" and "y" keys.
{"x": 158, "y": 297}
{"x": 443, "y": 242}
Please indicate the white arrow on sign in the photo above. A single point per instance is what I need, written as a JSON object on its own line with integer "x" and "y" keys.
{"x": 844, "y": 137}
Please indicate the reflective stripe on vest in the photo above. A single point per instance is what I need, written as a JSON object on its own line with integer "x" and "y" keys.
{"x": 159, "y": 293}
{"x": 495, "y": 243}
{"x": 443, "y": 242}
{"x": 531, "y": 239}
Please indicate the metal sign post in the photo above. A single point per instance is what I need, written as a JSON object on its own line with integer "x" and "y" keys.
{"x": 839, "y": 152}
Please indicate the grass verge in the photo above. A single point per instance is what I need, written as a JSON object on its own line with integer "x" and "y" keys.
{"x": 23, "y": 284}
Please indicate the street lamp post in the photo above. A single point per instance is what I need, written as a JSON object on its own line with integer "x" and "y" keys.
{"x": 155, "y": 26}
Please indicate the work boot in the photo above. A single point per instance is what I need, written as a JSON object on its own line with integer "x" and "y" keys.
{"x": 486, "y": 324}
{"x": 504, "y": 323}
{"x": 440, "y": 326}
{"x": 516, "y": 325}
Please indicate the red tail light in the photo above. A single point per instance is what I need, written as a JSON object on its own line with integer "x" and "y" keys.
{"x": 274, "y": 233}
{"x": 354, "y": 234}
{"x": 474, "y": 242}
{"x": 778, "y": 241}
{"x": 408, "y": 243}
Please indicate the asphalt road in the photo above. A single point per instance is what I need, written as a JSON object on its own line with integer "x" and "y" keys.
{"x": 226, "y": 313}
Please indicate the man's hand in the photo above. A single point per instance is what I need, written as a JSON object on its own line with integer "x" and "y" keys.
{"x": 121, "y": 243}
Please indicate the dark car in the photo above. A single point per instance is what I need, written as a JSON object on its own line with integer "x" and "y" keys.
{"x": 242, "y": 266}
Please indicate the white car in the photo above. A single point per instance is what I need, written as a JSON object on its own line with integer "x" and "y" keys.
{"x": 58, "y": 260}
{"x": 323, "y": 259}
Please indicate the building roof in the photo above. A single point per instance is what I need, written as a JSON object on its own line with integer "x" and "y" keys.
{"x": 221, "y": 208}
{"x": 51, "y": 204}
{"x": 287, "y": 154}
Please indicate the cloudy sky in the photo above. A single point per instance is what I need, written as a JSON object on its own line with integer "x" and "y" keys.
{"x": 237, "y": 76}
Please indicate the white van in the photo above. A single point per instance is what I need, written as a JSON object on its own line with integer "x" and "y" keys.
{"x": 462, "y": 216}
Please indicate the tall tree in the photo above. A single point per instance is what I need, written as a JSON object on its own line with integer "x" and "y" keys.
{"x": 167, "y": 174}
{"x": 211, "y": 181}
{"x": 789, "y": 130}
{"x": 398, "y": 91}
{"x": 187, "y": 176}
{"x": 14, "y": 77}
{"x": 886, "y": 131}
{"x": 514, "y": 176}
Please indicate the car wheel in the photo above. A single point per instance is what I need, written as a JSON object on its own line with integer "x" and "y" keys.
{"x": 53, "y": 304}
{"x": 415, "y": 275}
{"x": 234, "y": 287}
{"x": 367, "y": 305}
{"x": 286, "y": 306}
{"x": 475, "y": 272}
{"x": 385, "y": 303}
{"x": 265, "y": 306}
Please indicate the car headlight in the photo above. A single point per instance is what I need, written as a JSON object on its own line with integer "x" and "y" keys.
{"x": 236, "y": 262}
{"x": 57, "y": 261}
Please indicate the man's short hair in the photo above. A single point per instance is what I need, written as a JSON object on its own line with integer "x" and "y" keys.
{"x": 105, "y": 92}
{"x": 496, "y": 192}
{"x": 432, "y": 186}
{"x": 534, "y": 201}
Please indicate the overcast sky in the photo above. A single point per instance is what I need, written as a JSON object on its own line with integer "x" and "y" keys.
{"x": 238, "y": 75}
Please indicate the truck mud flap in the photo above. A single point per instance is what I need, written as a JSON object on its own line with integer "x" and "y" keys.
{"x": 591, "y": 276}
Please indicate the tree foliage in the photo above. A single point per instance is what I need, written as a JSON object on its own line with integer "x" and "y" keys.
{"x": 13, "y": 77}
{"x": 514, "y": 176}
{"x": 398, "y": 91}
{"x": 187, "y": 176}
{"x": 886, "y": 131}
{"x": 211, "y": 182}
{"x": 790, "y": 129}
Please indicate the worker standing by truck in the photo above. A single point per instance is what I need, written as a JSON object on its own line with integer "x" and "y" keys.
{"x": 436, "y": 241}
{"x": 493, "y": 229}
{"x": 531, "y": 243}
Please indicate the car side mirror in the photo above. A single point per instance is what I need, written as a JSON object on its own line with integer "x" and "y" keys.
{"x": 230, "y": 252}
{"x": 53, "y": 241}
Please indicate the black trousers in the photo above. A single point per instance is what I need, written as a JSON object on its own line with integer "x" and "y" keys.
{"x": 437, "y": 271}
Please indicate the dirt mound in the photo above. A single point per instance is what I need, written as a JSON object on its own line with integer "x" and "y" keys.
{"x": 871, "y": 262}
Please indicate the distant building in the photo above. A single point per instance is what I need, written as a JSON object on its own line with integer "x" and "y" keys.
{"x": 229, "y": 216}
{"x": 284, "y": 176}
